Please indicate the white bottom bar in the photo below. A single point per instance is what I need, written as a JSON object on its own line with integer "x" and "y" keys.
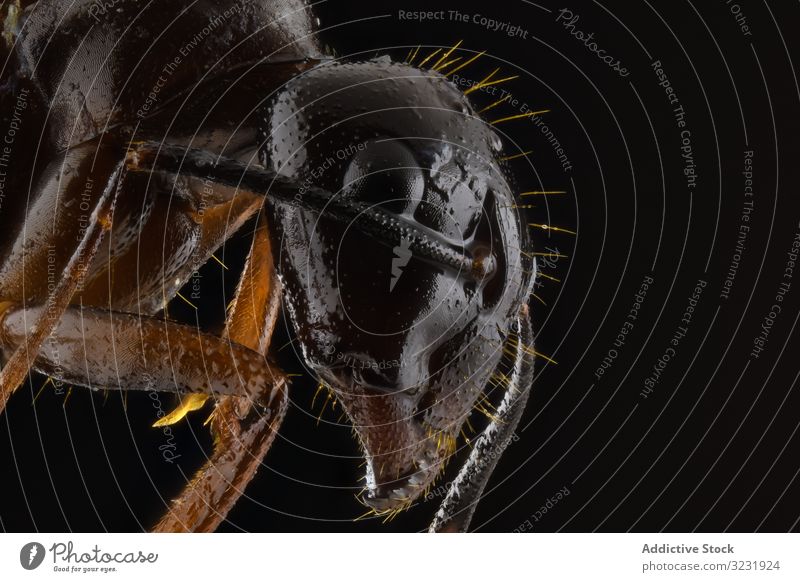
{"x": 390, "y": 557}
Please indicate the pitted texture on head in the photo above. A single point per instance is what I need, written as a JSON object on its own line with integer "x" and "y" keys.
{"x": 406, "y": 342}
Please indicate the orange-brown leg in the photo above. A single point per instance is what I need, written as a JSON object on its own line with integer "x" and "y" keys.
{"x": 21, "y": 272}
{"x": 120, "y": 351}
{"x": 81, "y": 351}
{"x": 113, "y": 350}
{"x": 242, "y": 435}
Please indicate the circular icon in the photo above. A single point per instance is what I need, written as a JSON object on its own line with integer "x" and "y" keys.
{"x": 31, "y": 555}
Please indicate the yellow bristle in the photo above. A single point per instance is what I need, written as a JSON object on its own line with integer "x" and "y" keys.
{"x": 187, "y": 301}
{"x": 549, "y": 255}
{"x": 445, "y": 55}
{"x": 480, "y": 84}
{"x": 35, "y": 398}
{"x": 515, "y": 156}
{"x": 542, "y": 301}
{"x": 213, "y": 256}
{"x": 553, "y": 228}
{"x": 519, "y": 116}
{"x": 495, "y": 104}
{"x": 464, "y": 64}
{"x": 488, "y": 82}
{"x": 429, "y": 57}
{"x": 546, "y": 276}
{"x": 447, "y": 64}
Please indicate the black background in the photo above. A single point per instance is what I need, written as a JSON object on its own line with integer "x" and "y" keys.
{"x": 714, "y": 447}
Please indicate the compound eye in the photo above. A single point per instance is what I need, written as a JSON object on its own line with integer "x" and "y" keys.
{"x": 385, "y": 173}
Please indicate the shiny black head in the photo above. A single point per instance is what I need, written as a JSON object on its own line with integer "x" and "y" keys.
{"x": 405, "y": 339}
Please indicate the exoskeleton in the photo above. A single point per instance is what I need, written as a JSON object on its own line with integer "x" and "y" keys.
{"x": 385, "y": 228}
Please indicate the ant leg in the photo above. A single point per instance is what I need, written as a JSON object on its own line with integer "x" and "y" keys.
{"x": 166, "y": 227}
{"x": 242, "y": 438}
{"x": 120, "y": 351}
{"x": 455, "y": 512}
{"x": 66, "y": 179}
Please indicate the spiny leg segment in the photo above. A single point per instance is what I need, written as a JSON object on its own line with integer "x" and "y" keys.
{"x": 243, "y": 433}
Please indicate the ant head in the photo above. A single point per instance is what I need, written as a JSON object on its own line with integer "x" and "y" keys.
{"x": 405, "y": 339}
